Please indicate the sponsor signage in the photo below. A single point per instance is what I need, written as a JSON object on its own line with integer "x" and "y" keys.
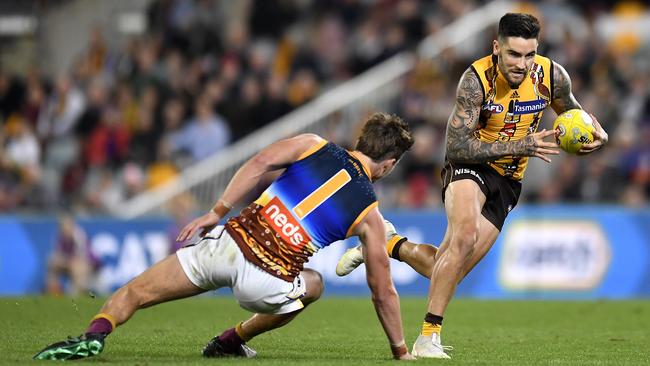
{"x": 126, "y": 255}
{"x": 284, "y": 224}
{"x": 554, "y": 255}
{"x": 543, "y": 252}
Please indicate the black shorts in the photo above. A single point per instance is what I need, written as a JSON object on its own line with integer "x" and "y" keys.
{"x": 501, "y": 193}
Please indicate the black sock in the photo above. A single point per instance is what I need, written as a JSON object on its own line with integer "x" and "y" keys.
{"x": 433, "y": 319}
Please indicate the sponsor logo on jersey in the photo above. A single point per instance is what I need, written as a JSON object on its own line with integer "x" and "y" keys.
{"x": 527, "y": 107}
{"x": 284, "y": 224}
{"x": 514, "y": 95}
{"x": 493, "y": 107}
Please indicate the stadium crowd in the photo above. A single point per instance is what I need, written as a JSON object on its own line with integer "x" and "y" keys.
{"x": 128, "y": 119}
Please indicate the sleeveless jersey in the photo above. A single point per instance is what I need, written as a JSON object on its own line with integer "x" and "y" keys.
{"x": 316, "y": 201}
{"x": 511, "y": 114}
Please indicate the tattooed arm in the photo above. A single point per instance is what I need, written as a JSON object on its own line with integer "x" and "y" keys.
{"x": 464, "y": 147}
{"x": 563, "y": 100}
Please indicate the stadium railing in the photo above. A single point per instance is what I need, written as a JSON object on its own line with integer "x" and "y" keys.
{"x": 374, "y": 89}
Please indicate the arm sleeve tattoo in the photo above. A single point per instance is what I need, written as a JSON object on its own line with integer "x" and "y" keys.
{"x": 462, "y": 144}
{"x": 563, "y": 98}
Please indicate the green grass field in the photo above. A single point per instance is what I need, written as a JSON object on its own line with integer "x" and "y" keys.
{"x": 338, "y": 331}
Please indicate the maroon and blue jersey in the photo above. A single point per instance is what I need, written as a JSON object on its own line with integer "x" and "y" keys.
{"x": 316, "y": 201}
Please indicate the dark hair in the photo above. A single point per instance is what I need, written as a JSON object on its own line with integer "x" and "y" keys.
{"x": 384, "y": 136}
{"x": 519, "y": 25}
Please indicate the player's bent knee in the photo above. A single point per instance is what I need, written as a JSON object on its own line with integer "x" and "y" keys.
{"x": 315, "y": 285}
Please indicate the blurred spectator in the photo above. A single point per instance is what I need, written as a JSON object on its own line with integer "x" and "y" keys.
{"x": 108, "y": 142}
{"x": 61, "y": 110}
{"x": 133, "y": 180}
{"x": 20, "y": 167}
{"x": 130, "y": 116}
{"x": 302, "y": 87}
{"x": 34, "y": 98}
{"x": 163, "y": 170}
{"x": 11, "y": 94}
{"x": 204, "y": 134}
{"x": 634, "y": 196}
{"x": 271, "y": 18}
{"x": 274, "y": 104}
{"x": 421, "y": 171}
{"x": 636, "y": 162}
{"x": 102, "y": 190}
{"x": 71, "y": 261}
{"x": 245, "y": 110}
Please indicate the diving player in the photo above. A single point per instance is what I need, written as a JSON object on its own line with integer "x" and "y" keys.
{"x": 324, "y": 194}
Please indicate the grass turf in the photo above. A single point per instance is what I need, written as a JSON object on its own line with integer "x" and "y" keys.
{"x": 342, "y": 331}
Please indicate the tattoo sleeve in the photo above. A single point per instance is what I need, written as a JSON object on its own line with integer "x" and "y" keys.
{"x": 462, "y": 144}
{"x": 563, "y": 98}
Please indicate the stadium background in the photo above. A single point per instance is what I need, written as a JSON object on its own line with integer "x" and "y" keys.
{"x": 132, "y": 115}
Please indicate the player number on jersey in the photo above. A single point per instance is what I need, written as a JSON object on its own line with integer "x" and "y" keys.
{"x": 321, "y": 194}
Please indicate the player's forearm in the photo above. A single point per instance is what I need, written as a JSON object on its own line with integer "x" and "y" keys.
{"x": 469, "y": 149}
{"x": 384, "y": 295}
{"x": 386, "y": 303}
{"x": 246, "y": 178}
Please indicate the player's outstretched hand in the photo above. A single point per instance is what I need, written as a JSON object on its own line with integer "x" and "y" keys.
{"x": 203, "y": 223}
{"x": 536, "y": 145}
{"x": 600, "y": 138}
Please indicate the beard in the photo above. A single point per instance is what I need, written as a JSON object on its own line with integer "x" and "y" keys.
{"x": 511, "y": 78}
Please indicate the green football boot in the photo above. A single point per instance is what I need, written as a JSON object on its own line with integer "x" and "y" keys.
{"x": 87, "y": 345}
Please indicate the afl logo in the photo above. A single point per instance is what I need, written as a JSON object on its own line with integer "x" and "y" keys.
{"x": 494, "y": 108}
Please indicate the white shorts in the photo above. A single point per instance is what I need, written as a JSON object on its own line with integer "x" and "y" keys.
{"x": 216, "y": 261}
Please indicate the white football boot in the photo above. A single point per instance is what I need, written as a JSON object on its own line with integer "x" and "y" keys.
{"x": 353, "y": 257}
{"x": 430, "y": 347}
{"x": 350, "y": 260}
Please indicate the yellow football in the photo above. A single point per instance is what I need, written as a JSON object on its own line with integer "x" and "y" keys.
{"x": 575, "y": 128}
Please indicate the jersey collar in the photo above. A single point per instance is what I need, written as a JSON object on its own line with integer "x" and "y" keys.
{"x": 366, "y": 169}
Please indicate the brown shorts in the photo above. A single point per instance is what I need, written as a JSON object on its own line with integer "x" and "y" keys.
{"x": 501, "y": 193}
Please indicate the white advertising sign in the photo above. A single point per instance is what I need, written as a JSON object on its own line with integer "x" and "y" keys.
{"x": 554, "y": 255}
